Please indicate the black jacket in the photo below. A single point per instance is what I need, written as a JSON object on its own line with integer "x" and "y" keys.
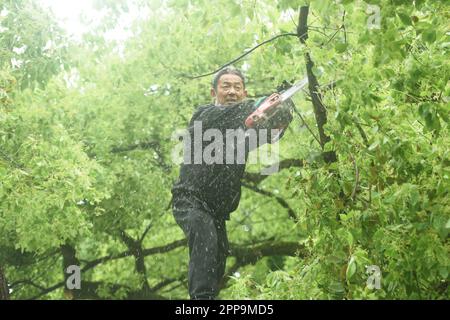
{"x": 217, "y": 186}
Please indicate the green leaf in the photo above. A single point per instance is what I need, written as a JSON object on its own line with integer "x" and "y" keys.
{"x": 235, "y": 9}
{"x": 374, "y": 145}
{"x": 406, "y": 19}
{"x": 443, "y": 272}
{"x": 341, "y": 47}
{"x": 429, "y": 35}
{"x": 351, "y": 268}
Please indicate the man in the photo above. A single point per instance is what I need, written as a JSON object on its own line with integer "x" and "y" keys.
{"x": 206, "y": 193}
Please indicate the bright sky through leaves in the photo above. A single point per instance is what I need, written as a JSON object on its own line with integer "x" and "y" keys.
{"x": 73, "y": 14}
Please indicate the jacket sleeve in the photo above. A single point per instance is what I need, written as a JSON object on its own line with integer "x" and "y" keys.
{"x": 226, "y": 117}
{"x": 234, "y": 116}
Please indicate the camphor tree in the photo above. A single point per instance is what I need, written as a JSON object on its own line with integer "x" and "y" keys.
{"x": 86, "y": 149}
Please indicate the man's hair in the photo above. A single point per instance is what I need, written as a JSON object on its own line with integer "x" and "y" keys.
{"x": 228, "y": 70}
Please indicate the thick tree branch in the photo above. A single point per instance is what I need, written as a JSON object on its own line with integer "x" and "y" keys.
{"x": 48, "y": 290}
{"x": 251, "y": 254}
{"x": 166, "y": 282}
{"x": 154, "y": 145}
{"x": 316, "y": 97}
{"x": 69, "y": 259}
{"x": 4, "y": 289}
{"x": 135, "y": 246}
{"x": 89, "y": 290}
{"x": 145, "y": 252}
{"x": 245, "y": 254}
{"x": 94, "y": 263}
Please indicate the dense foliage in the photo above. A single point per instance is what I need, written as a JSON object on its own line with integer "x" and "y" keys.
{"x": 86, "y": 144}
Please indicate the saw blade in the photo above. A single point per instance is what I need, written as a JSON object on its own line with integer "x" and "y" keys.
{"x": 294, "y": 89}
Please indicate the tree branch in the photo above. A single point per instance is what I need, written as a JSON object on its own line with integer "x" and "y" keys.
{"x": 257, "y": 178}
{"x": 135, "y": 246}
{"x": 29, "y": 282}
{"x": 4, "y": 289}
{"x": 245, "y": 254}
{"x": 240, "y": 57}
{"x": 166, "y": 282}
{"x": 141, "y": 239}
{"x": 154, "y": 144}
{"x": 280, "y": 200}
{"x": 305, "y": 123}
{"x": 251, "y": 254}
{"x": 145, "y": 252}
{"x": 316, "y": 97}
{"x": 355, "y": 188}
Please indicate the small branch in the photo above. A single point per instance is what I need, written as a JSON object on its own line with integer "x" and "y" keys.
{"x": 235, "y": 267}
{"x": 167, "y": 282}
{"x": 293, "y": 21}
{"x": 280, "y": 200}
{"x": 252, "y": 254}
{"x": 355, "y": 188}
{"x": 318, "y": 31}
{"x": 343, "y": 27}
{"x": 331, "y": 38}
{"x": 48, "y": 290}
{"x": 240, "y": 57}
{"x": 131, "y": 147}
{"x": 328, "y": 28}
{"x": 363, "y": 134}
{"x": 29, "y": 282}
{"x": 155, "y": 145}
{"x": 257, "y": 178}
{"x": 145, "y": 232}
{"x": 305, "y": 124}
{"x": 329, "y": 86}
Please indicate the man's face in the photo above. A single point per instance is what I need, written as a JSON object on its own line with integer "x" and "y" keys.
{"x": 230, "y": 90}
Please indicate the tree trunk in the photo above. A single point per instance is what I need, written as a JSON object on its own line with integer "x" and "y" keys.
{"x": 4, "y": 290}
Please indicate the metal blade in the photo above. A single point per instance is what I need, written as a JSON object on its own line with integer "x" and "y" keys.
{"x": 294, "y": 89}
